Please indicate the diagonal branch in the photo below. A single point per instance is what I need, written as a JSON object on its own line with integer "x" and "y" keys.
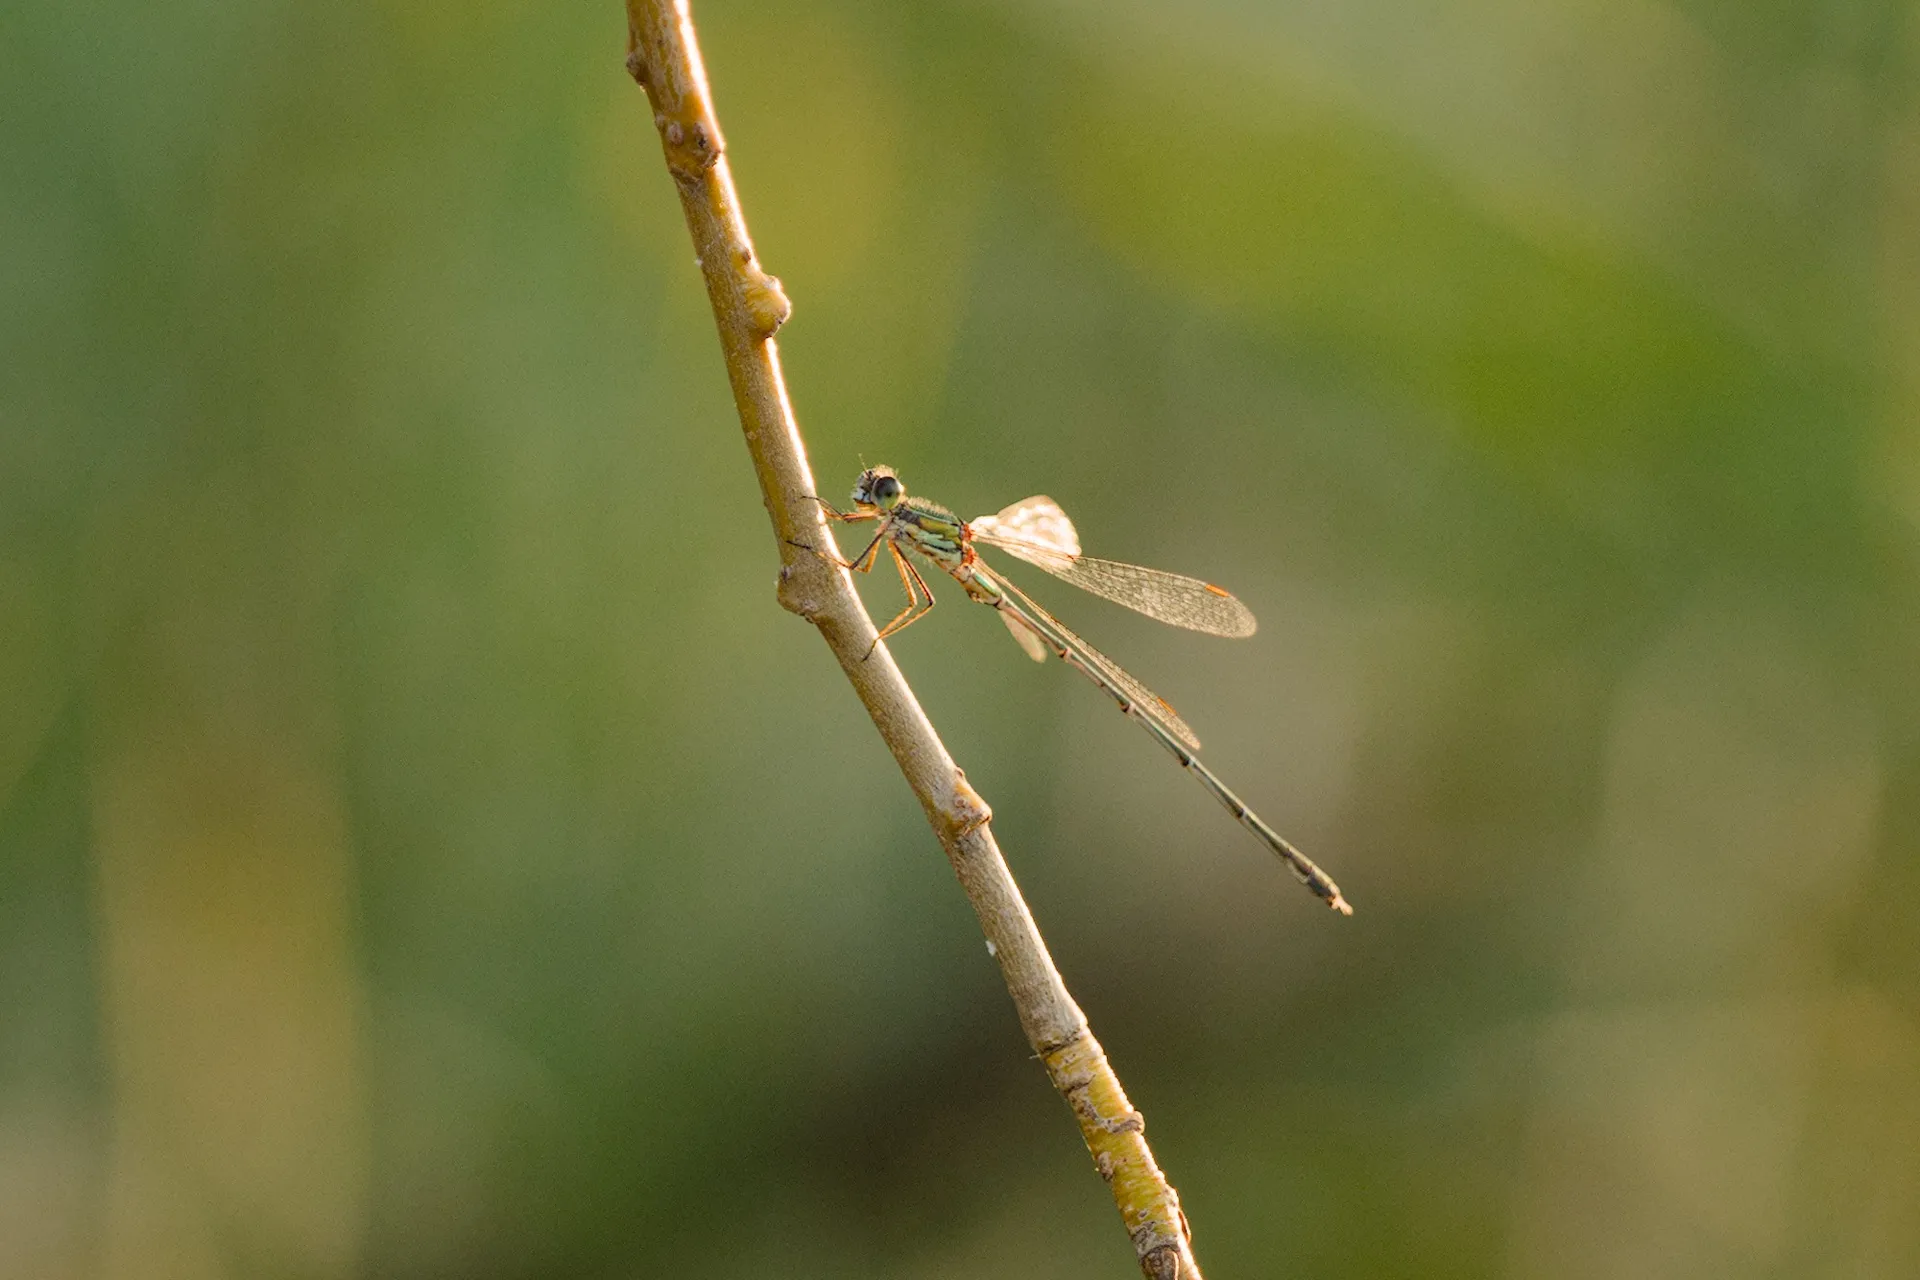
{"x": 748, "y": 306}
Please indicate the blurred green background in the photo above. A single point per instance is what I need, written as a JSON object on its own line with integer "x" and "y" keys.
{"x": 427, "y": 850}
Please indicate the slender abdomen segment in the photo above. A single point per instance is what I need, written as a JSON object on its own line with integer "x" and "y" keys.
{"x": 1303, "y": 867}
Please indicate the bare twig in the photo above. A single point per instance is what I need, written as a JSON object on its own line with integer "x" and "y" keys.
{"x": 748, "y": 306}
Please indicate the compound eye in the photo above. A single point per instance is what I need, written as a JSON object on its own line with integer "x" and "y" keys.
{"x": 886, "y": 491}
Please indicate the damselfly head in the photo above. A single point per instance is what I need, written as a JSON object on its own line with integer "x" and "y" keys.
{"x": 878, "y": 489}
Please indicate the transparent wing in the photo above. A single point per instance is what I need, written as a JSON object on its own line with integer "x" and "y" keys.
{"x": 1035, "y": 529}
{"x": 1029, "y": 639}
{"x": 1043, "y": 627}
{"x": 1039, "y": 532}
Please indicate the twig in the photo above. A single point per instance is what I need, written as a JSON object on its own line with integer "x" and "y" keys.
{"x": 748, "y": 306}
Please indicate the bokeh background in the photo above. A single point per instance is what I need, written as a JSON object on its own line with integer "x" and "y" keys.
{"x": 427, "y": 850}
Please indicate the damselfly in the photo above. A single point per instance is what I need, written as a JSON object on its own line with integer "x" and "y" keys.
{"x": 1039, "y": 532}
